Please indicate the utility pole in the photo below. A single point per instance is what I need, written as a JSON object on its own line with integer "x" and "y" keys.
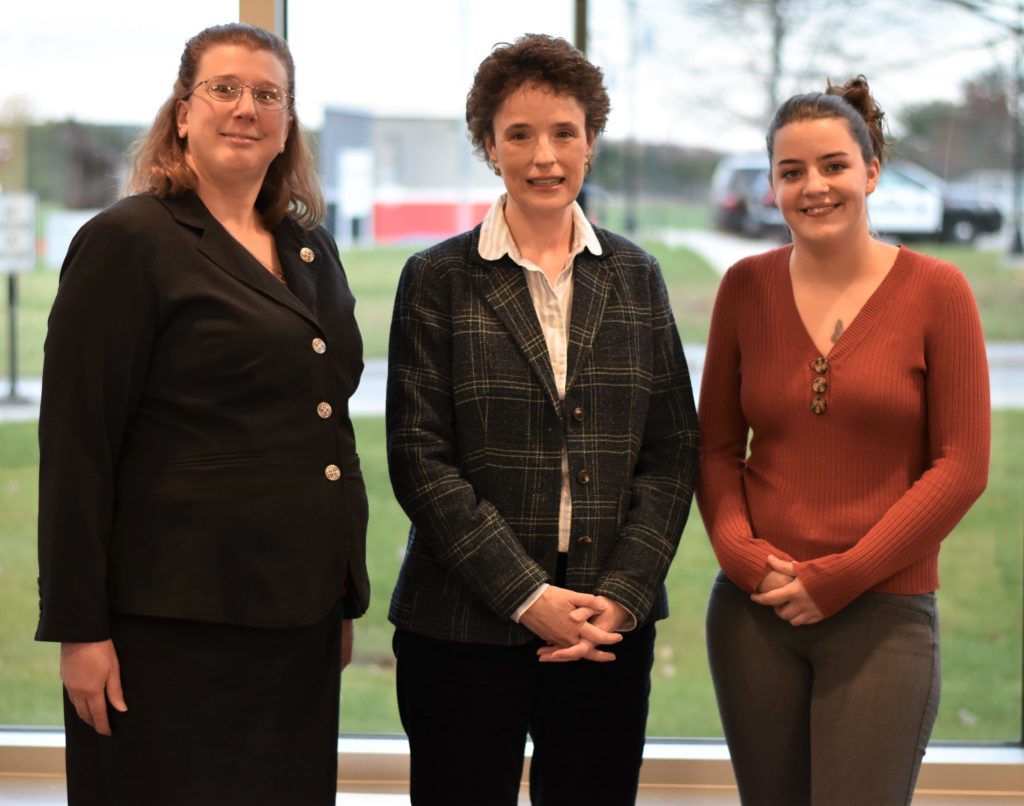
{"x": 580, "y": 26}
{"x": 1017, "y": 246}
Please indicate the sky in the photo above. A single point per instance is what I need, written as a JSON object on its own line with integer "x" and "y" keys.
{"x": 673, "y": 77}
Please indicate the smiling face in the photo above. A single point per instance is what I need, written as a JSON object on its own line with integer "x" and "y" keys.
{"x": 541, "y": 144}
{"x": 233, "y": 143}
{"x": 820, "y": 180}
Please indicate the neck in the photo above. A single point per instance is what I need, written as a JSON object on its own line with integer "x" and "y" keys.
{"x": 231, "y": 200}
{"x": 232, "y": 208}
{"x": 539, "y": 234}
{"x": 838, "y": 262}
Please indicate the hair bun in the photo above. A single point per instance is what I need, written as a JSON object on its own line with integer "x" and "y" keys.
{"x": 857, "y": 94}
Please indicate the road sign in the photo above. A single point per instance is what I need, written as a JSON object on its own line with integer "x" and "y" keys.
{"x": 17, "y": 232}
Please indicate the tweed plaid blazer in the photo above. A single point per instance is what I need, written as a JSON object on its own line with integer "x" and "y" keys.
{"x": 476, "y": 431}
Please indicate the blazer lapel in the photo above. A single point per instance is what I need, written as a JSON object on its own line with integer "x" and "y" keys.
{"x": 230, "y": 256}
{"x": 300, "y": 261}
{"x": 505, "y": 289}
{"x": 592, "y": 283}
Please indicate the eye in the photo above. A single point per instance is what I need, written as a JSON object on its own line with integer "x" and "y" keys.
{"x": 835, "y": 167}
{"x": 517, "y": 136}
{"x": 223, "y": 88}
{"x": 566, "y": 133}
{"x": 269, "y": 96}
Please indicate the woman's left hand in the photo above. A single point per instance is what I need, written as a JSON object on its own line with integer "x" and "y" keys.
{"x": 791, "y": 602}
{"x": 609, "y": 618}
{"x": 347, "y": 636}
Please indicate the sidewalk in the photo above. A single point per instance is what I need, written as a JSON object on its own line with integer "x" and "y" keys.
{"x": 1005, "y": 359}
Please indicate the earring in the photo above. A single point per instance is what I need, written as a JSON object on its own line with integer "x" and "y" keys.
{"x": 182, "y": 131}
{"x": 586, "y": 166}
{"x": 282, "y": 148}
{"x": 497, "y": 170}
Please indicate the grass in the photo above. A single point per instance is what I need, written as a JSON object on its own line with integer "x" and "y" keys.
{"x": 980, "y": 603}
{"x": 373, "y": 274}
{"x": 981, "y": 565}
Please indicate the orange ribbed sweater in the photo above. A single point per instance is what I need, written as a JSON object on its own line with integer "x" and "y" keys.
{"x": 860, "y": 496}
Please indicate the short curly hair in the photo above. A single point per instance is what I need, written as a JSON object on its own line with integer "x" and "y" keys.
{"x": 533, "y": 59}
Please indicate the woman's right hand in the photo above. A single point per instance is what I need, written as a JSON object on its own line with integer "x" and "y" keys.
{"x": 562, "y": 616}
{"x": 91, "y": 674}
{"x": 773, "y": 580}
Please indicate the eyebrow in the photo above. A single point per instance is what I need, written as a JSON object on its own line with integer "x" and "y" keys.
{"x": 568, "y": 124}
{"x": 831, "y": 155}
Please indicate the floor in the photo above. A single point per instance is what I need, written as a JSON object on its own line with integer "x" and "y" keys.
{"x": 21, "y": 790}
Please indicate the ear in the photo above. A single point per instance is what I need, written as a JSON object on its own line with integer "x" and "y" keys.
{"x": 492, "y": 152}
{"x": 181, "y": 114}
{"x": 874, "y": 169}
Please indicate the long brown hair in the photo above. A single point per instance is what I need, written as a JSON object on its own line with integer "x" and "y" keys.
{"x": 290, "y": 187}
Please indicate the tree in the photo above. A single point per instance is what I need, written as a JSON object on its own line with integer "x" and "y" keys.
{"x": 951, "y": 139}
{"x": 774, "y": 34}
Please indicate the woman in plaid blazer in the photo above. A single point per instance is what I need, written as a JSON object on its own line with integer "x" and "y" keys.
{"x": 543, "y": 440}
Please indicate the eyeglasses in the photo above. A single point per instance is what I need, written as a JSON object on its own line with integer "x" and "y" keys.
{"x": 228, "y": 90}
{"x": 819, "y": 385}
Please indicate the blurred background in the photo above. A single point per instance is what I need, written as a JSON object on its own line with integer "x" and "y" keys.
{"x": 381, "y": 89}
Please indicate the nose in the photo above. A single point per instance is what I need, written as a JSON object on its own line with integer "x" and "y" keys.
{"x": 245, "y": 106}
{"x": 816, "y": 182}
{"x": 544, "y": 153}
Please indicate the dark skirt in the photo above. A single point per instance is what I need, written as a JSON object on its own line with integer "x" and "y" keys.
{"x": 218, "y": 715}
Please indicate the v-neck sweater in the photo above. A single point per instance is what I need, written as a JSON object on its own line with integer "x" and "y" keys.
{"x": 860, "y": 495}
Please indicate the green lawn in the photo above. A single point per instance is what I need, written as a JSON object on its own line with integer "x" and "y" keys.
{"x": 981, "y": 598}
{"x": 373, "y": 274}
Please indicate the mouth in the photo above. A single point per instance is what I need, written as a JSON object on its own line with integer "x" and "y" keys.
{"x": 819, "y": 210}
{"x": 238, "y": 136}
{"x": 546, "y": 181}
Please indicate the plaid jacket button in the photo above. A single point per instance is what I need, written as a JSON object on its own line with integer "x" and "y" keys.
{"x": 583, "y": 477}
{"x": 586, "y": 540}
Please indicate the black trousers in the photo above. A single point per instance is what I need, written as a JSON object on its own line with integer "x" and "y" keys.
{"x": 467, "y": 709}
{"x": 218, "y": 715}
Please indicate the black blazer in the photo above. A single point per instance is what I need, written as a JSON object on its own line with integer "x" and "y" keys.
{"x": 476, "y": 431}
{"x": 197, "y": 457}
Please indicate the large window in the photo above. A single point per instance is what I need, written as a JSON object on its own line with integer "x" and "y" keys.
{"x": 382, "y": 86}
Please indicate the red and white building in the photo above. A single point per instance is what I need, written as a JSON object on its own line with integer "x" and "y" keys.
{"x": 401, "y": 179}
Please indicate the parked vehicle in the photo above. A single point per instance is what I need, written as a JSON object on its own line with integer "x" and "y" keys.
{"x": 965, "y": 217}
{"x": 909, "y": 203}
{"x": 741, "y": 197}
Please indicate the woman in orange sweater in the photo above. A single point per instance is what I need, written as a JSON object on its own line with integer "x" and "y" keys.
{"x": 857, "y": 370}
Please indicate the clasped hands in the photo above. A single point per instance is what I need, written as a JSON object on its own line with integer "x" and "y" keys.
{"x": 785, "y": 594}
{"x": 575, "y": 625}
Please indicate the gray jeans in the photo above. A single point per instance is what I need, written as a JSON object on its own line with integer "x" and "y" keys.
{"x": 828, "y": 714}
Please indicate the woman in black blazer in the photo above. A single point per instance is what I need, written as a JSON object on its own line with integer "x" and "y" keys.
{"x": 542, "y": 438}
{"x": 202, "y": 513}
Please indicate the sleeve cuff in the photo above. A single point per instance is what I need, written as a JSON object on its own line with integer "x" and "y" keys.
{"x": 528, "y": 602}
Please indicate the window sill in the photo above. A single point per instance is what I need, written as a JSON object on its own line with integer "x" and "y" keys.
{"x": 982, "y": 770}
